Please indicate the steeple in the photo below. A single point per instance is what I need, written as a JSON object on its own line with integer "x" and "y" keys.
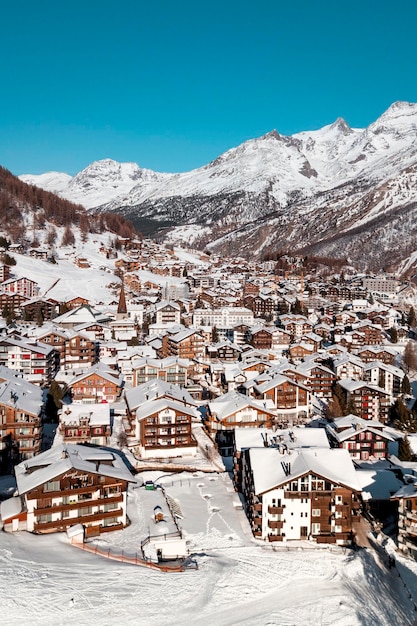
{"x": 121, "y": 307}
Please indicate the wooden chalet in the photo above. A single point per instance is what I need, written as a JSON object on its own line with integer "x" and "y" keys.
{"x": 85, "y": 423}
{"x": 21, "y": 411}
{"x": 160, "y": 417}
{"x": 370, "y": 402}
{"x": 68, "y": 485}
{"x": 290, "y": 398}
{"x": 406, "y": 497}
{"x": 97, "y": 384}
{"x": 363, "y": 439}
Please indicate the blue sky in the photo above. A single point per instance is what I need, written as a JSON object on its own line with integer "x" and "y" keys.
{"x": 171, "y": 85}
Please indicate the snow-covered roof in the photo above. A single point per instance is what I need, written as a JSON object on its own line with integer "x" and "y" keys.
{"x": 155, "y": 389}
{"x": 98, "y": 414}
{"x": 22, "y": 395}
{"x": 10, "y": 508}
{"x": 231, "y": 402}
{"x": 293, "y": 438}
{"x": 273, "y": 469}
{"x": 62, "y": 458}
{"x": 156, "y": 406}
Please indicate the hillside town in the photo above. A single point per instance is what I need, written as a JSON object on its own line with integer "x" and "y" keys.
{"x": 293, "y": 378}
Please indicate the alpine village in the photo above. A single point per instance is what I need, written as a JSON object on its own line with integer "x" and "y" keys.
{"x": 124, "y": 357}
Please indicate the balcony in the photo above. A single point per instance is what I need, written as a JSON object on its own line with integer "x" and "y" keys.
{"x": 40, "y": 527}
{"x": 78, "y": 504}
{"x": 26, "y": 422}
{"x": 257, "y": 506}
{"x": 276, "y": 510}
{"x": 71, "y": 490}
{"x": 411, "y": 515}
{"x": 275, "y": 524}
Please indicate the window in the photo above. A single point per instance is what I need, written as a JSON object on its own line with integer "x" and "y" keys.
{"x": 53, "y": 485}
{"x": 110, "y": 507}
{"x": 315, "y": 512}
{"x": 85, "y": 511}
{"x": 110, "y": 521}
{"x": 315, "y": 529}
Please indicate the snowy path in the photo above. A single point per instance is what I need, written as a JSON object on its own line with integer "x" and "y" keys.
{"x": 47, "y": 582}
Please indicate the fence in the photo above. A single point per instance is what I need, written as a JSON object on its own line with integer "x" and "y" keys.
{"x": 135, "y": 559}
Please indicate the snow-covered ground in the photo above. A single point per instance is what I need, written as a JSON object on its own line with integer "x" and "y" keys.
{"x": 46, "y": 581}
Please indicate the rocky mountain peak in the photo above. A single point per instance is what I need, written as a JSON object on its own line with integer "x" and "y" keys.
{"x": 341, "y": 126}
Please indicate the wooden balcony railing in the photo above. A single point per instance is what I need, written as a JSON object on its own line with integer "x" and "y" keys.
{"x": 276, "y": 510}
{"x": 79, "y": 504}
{"x": 275, "y": 524}
{"x": 70, "y": 521}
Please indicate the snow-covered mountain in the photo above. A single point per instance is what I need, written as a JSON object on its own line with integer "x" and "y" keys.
{"x": 99, "y": 183}
{"x": 336, "y": 191}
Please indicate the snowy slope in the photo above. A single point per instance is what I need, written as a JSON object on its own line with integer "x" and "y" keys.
{"x": 238, "y": 581}
{"x": 301, "y": 192}
{"x": 56, "y": 182}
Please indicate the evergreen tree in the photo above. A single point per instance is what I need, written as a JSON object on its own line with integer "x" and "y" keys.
{"x": 53, "y": 401}
{"x": 214, "y": 335}
{"x": 297, "y": 308}
{"x": 339, "y": 394}
{"x": 393, "y": 334}
{"x": 405, "y": 386}
{"x": 351, "y": 408}
{"x": 7, "y": 314}
{"x": 411, "y": 319}
{"x": 404, "y": 450}
{"x": 402, "y": 418}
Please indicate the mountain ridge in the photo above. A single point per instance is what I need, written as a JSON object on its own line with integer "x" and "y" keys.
{"x": 295, "y": 191}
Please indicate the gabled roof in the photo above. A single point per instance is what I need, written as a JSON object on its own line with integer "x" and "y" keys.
{"x": 232, "y": 402}
{"x": 28, "y": 344}
{"x": 156, "y": 389}
{"x": 63, "y": 458}
{"x": 344, "y": 428}
{"x": 276, "y": 381}
{"x": 22, "y": 395}
{"x": 100, "y": 369}
{"x": 98, "y": 414}
{"x": 155, "y": 406}
{"x": 272, "y": 469}
{"x": 81, "y": 315}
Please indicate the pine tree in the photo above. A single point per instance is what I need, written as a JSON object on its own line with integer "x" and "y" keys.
{"x": 339, "y": 394}
{"x": 214, "y": 335}
{"x": 404, "y": 450}
{"x": 7, "y": 314}
{"x": 411, "y": 319}
{"x": 53, "y": 401}
{"x": 405, "y": 386}
{"x": 402, "y": 418}
{"x": 393, "y": 334}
